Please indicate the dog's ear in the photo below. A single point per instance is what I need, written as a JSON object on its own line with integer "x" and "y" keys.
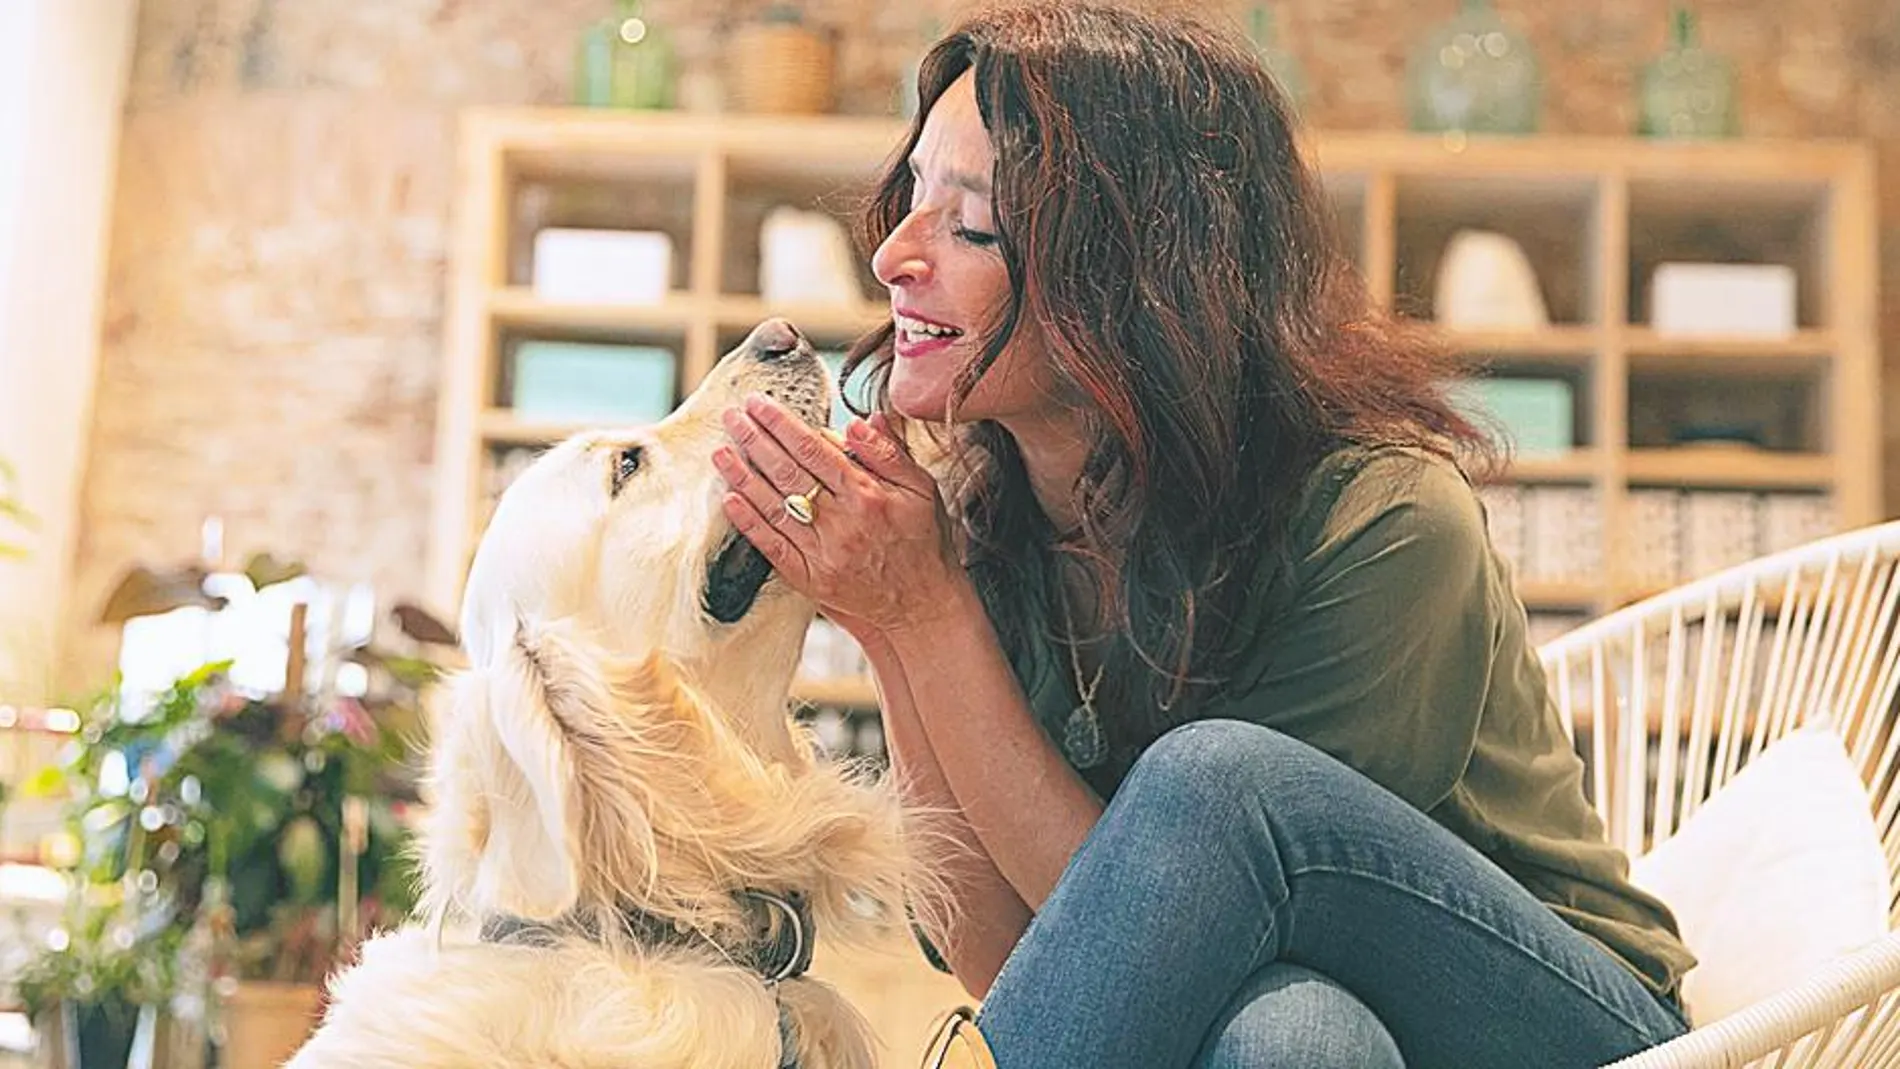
{"x": 501, "y": 836}
{"x": 547, "y": 771}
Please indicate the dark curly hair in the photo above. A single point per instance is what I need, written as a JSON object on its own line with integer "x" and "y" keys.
{"x": 1163, "y": 234}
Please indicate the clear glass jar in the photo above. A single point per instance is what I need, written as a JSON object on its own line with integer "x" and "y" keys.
{"x": 1475, "y": 75}
{"x": 1687, "y": 91}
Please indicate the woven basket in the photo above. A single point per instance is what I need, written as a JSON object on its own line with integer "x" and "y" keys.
{"x": 780, "y": 69}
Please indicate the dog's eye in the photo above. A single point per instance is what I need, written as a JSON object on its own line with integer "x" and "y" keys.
{"x": 626, "y": 464}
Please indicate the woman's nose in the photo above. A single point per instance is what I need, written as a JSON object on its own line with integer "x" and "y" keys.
{"x": 899, "y": 260}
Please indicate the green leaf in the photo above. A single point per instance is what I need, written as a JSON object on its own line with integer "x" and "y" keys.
{"x": 205, "y": 673}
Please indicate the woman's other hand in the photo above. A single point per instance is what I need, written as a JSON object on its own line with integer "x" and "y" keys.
{"x": 877, "y": 555}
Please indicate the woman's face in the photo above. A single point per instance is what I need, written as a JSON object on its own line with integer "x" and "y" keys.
{"x": 947, "y": 279}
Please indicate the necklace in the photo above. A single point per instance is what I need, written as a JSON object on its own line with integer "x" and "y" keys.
{"x": 1082, "y": 737}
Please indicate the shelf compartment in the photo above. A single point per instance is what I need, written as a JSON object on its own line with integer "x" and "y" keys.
{"x": 1776, "y": 408}
{"x": 756, "y": 187}
{"x": 1515, "y": 400}
{"x": 1552, "y": 536}
{"x": 1710, "y": 219}
{"x": 1552, "y": 217}
{"x": 656, "y": 194}
{"x": 509, "y": 343}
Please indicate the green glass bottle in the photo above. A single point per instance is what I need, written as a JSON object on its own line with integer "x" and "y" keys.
{"x": 594, "y": 65}
{"x": 1688, "y": 92}
{"x": 1283, "y": 65}
{"x": 1474, "y": 75}
{"x": 643, "y": 60}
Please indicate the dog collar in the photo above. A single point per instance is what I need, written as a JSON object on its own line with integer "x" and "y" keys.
{"x": 780, "y": 948}
{"x": 785, "y": 946}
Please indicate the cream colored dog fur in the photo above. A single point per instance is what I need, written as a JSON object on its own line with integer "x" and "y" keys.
{"x": 614, "y": 745}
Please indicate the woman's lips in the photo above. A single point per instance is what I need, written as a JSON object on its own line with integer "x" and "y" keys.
{"x": 911, "y": 347}
{"x": 914, "y": 337}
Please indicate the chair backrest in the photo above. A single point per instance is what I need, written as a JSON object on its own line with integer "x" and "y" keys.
{"x": 1667, "y": 699}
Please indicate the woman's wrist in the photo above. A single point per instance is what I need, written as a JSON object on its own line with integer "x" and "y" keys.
{"x": 881, "y": 639}
{"x": 923, "y": 625}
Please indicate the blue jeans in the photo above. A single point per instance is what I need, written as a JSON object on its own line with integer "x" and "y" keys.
{"x": 1247, "y": 902}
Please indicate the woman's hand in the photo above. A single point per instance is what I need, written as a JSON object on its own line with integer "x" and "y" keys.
{"x": 877, "y": 555}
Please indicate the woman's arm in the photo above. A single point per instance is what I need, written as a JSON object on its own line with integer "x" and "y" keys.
{"x": 879, "y": 560}
{"x": 1026, "y": 806}
{"x": 984, "y": 917}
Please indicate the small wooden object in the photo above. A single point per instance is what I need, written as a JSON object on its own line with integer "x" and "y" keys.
{"x": 781, "y": 69}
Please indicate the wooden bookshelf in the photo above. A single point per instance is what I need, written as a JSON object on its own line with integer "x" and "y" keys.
{"x": 1595, "y": 215}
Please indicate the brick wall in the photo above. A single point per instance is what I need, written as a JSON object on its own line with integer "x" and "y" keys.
{"x": 281, "y": 223}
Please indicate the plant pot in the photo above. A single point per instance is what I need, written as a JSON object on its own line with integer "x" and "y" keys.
{"x": 96, "y": 1035}
{"x": 265, "y": 1021}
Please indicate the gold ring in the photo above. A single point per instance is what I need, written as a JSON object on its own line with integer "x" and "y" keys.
{"x": 804, "y": 507}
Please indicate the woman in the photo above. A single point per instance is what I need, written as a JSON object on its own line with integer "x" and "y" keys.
{"x": 1215, "y": 667}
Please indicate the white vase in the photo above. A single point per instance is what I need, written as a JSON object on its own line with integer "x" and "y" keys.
{"x": 1485, "y": 282}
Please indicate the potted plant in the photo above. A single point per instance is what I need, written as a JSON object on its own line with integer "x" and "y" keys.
{"x": 115, "y": 958}
{"x": 88, "y": 994}
{"x": 263, "y": 834}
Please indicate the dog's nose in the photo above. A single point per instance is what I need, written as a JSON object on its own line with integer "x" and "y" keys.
{"x": 775, "y": 339}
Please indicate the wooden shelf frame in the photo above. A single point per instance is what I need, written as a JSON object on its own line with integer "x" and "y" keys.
{"x": 1604, "y": 186}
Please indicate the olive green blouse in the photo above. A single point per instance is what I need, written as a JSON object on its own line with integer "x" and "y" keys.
{"x": 1398, "y": 646}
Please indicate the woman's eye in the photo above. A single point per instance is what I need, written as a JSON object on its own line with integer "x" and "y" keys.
{"x": 979, "y": 238}
{"x": 626, "y": 464}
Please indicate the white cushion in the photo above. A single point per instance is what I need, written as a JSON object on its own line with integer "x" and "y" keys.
{"x": 1779, "y": 873}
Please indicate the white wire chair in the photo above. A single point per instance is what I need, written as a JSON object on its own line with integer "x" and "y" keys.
{"x": 1668, "y": 698}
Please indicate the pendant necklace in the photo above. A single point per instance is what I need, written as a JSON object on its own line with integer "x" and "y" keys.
{"x": 1082, "y": 737}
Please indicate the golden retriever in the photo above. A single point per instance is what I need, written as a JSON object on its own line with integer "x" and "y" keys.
{"x": 629, "y": 836}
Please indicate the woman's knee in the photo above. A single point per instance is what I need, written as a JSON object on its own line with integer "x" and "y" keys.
{"x": 1247, "y": 784}
{"x": 1287, "y": 1017}
{"x": 1211, "y": 760}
